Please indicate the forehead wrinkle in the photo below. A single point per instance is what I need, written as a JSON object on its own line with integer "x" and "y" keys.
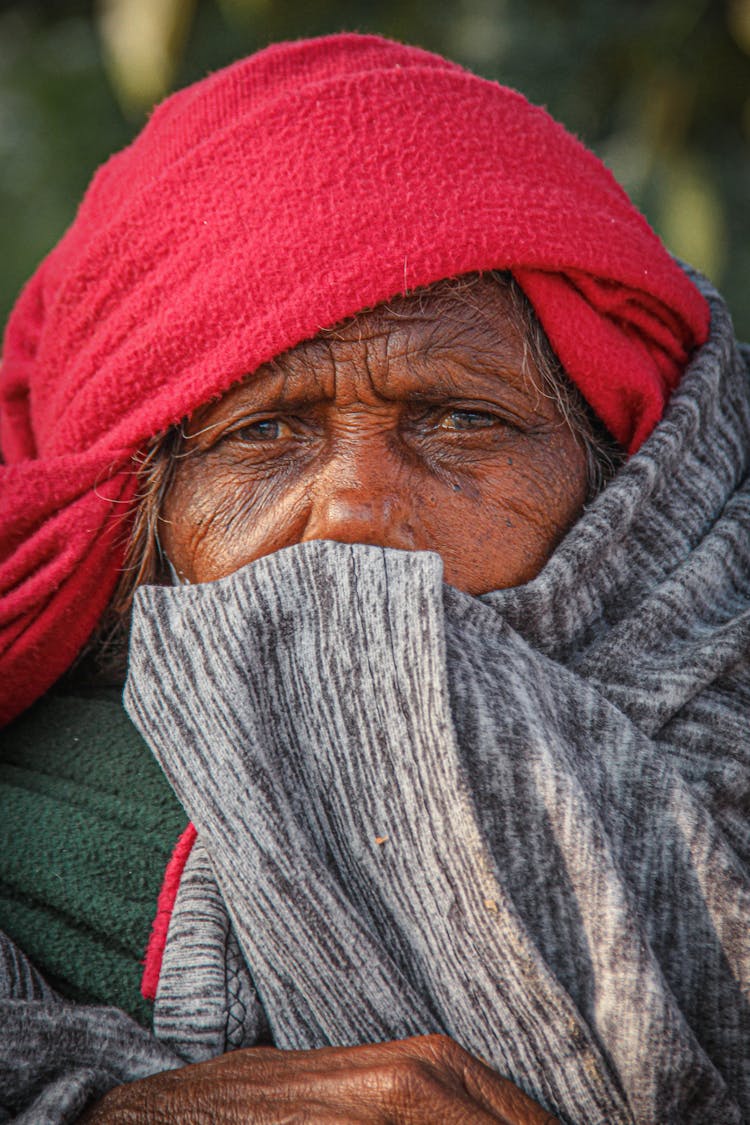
{"x": 306, "y": 371}
{"x": 489, "y": 365}
{"x": 474, "y": 325}
{"x": 423, "y": 339}
{"x": 490, "y": 362}
{"x": 457, "y": 329}
{"x": 353, "y": 357}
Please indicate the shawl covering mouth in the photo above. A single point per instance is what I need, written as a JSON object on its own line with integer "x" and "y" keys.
{"x": 521, "y": 818}
{"x": 276, "y": 198}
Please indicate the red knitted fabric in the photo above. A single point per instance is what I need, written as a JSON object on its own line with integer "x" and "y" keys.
{"x": 278, "y": 196}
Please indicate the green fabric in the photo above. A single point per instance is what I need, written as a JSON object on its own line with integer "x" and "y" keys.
{"x": 87, "y": 825}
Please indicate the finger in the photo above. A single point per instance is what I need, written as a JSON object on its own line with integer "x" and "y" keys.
{"x": 407, "y": 1091}
{"x": 435, "y": 1070}
{"x": 408, "y": 1083}
{"x": 493, "y": 1091}
{"x": 405, "y": 1073}
{"x": 400, "y": 1090}
{"x": 484, "y": 1085}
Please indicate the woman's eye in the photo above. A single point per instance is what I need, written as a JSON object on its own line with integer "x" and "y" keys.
{"x": 467, "y": 420}
{"x": 265, "y": 429}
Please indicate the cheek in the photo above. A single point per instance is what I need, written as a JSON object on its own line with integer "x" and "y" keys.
{"x": 217, "y": 519}
{"x": 502, "y": 532}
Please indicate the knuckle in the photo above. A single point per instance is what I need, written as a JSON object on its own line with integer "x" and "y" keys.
{"x": 444, "y": 1049}
{"x": 405, "y": 1078}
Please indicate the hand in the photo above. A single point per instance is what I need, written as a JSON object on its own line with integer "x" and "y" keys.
{"x": 409, "y": 1082}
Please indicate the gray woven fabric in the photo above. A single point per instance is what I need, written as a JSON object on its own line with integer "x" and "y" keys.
{"x": 213, "y": 1006}
{"x": 56, "y": 1057}
{"x": 560, "y": 773}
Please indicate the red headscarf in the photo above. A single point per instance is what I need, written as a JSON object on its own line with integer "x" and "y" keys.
{"x": 276, "y": 197}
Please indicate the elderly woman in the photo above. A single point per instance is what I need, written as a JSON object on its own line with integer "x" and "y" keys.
{"x": 429, "y": 465}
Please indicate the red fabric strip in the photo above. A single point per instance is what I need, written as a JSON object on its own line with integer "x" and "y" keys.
{"x": 164, "y": 907}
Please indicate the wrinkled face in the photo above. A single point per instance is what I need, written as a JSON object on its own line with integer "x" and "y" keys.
{"x": 421, "y": 426}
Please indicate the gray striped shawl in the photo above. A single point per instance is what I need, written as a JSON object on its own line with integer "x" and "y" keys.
{"x": 521, "y": 819}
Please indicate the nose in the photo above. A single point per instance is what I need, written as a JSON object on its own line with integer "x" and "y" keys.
{"x": 373, "y": 508}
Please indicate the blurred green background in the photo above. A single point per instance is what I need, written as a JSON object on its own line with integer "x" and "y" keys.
{"x": 661, "y": 90}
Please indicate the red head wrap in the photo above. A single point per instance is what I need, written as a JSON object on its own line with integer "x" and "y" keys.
{"x": 276, "y": 197}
